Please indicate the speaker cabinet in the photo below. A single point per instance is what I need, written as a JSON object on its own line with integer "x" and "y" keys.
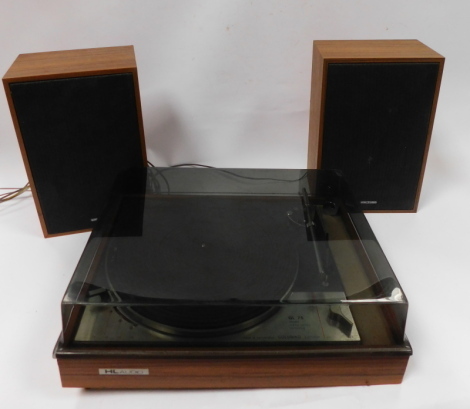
{"x": 372, "y": 111}
{"x": 78, "y": 120}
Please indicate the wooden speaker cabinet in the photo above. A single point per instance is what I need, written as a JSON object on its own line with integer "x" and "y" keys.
{"x": 372, "y": 111}
{"x": 78, "y": 120}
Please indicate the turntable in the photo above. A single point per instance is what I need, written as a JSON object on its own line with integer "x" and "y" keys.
{"x": 232, "y": 278}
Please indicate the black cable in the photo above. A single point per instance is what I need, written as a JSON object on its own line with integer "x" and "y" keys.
{"x": 181, "y": 165}
{"x": 236, "y": 174}
{"x": 193, "y": 164}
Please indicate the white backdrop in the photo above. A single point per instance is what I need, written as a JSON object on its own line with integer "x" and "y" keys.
{"x": 227, "y": 83}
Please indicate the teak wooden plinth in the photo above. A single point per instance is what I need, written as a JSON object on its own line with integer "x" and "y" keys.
{"x": 232, "y": 372}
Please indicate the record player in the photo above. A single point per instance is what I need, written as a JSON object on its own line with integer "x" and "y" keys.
{"x": 232, "y": 278}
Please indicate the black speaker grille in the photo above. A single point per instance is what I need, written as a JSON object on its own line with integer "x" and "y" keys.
{"x": 79, "y": 134}
{"x": 377, "y": 117}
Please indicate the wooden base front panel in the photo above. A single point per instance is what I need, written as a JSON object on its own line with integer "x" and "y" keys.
{"x": 276, "y": 372}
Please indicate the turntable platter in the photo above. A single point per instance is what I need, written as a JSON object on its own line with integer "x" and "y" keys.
{"x": 226, "y": 250}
